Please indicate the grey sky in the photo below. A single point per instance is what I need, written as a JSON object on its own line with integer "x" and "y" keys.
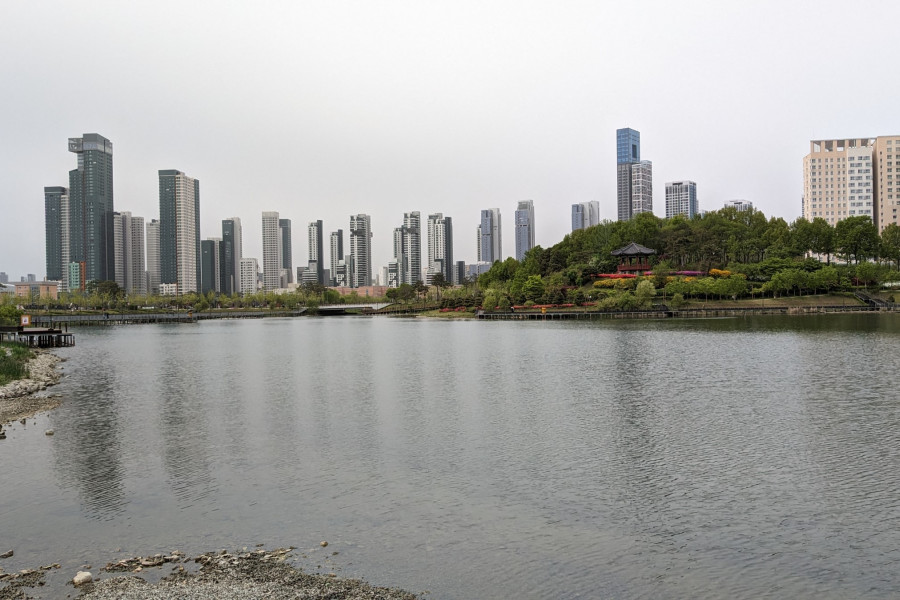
{"x": 320, "y": 110}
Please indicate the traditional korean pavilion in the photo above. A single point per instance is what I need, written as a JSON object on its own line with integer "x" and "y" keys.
{"x": 634, "y": 259}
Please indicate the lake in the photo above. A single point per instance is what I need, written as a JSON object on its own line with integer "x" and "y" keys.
{"x": 740, "y": 458}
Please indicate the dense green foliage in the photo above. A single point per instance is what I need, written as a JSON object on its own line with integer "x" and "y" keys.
{"x": 744, "y": 253}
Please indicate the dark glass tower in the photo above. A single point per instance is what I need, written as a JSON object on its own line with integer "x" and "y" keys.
{"x": 56, "y": 219}
{"x": 628, "y": 153}
{"x": 287, "y": 261}
{"x": 91, "y": 207}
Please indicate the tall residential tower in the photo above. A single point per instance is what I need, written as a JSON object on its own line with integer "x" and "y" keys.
{"x": 524, "y": 228}
{"x": 179, "y": 230}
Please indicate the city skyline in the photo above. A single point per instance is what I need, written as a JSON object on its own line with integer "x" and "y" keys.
{"x": 377, "y": 110}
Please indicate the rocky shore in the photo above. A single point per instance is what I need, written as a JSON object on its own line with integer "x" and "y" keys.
{"x": 245, "y": 575}
{"x": 18, "y": 399}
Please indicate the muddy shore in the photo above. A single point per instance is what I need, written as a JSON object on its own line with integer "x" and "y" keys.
{"x": 18, "y": 399}
{"x": 244, "y": 575}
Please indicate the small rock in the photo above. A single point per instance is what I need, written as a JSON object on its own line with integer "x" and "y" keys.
{"x": 23, "y": 421}
{"x": 6, "y": 554}
{"x": 323, "y": 544}
{"x": 82, "y": 577}
{"x": 49, "y": 432}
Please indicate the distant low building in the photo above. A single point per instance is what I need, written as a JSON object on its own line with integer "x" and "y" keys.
{"x": 740, "y": 205}
{"x": 37, "y": 289}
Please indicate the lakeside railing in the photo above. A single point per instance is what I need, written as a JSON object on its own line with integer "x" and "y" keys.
{"x": 175, "y": 317}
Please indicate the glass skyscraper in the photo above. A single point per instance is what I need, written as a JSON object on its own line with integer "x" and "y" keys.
{"x": 628, "y": 154}
{"x": 91, "y": 207}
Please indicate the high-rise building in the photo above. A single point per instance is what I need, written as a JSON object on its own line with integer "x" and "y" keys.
{"x": 681, "y": 199}
{"x": 248, "y": 276}
{"x": 4, "y": 278}
{"x": 179, "y": 230}
{"x": 491, "y": 241}
{"x": 887, "y": 192}
{"x": 91, "y": 206}
{"x": 478, "y": 243}
{"x": 360, "y": 250}
{"x": 56, "y": 226}
{"x": 641, "y": 188}
{"x": 272, "y": 251}
{"x": 232, "y": 253}
{"x": 628, "y": 153}
{"x": 585, "y": 214}
{"x": 440, "y": 248}
{"x": 153, "y": 269}
{"x": 838, "y": 179}
{"x": 524, "y": 228}
{"x": 336, "y": 254}
{"x": 210, "y": 265}
{"x": 128, "y": 245}
{"x": 317, "y": 250}
{"x": 740, "y": 205}
{"x": 287, "y": 260}
{"x": 408, "y": 249}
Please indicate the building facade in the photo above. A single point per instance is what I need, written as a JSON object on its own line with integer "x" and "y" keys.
{"x": 585, "y": 214}
{"x": 153, "y": 270}
{"x": 886, "y": 172}
{"x": 315, "y": 235}
{"x": 91, "y": 206}
{"x": 179, "y": 230}
{"x": 248, "y": 276}
{"x": 739, "y": 205}
{"x": 128, "y": 243}
{"x": 491, "y": 240}
{"x": 628, "y": 153}
{"x": 681, "y": 199}
{"x": 641, "y": 188}
{"x": 232, "y": 253}
{"x": 524, "y": 228}
{"x": 839, "y": 180}
{"x": 287, "y": 259}
{"x": 273, "y": 256}
{"x": 336, "y": 254}
{"x": 440, "y": 248}
{"x": 210, "y": 265}
{"x": 360, "y": 251}
{"x": 56, "y": 230}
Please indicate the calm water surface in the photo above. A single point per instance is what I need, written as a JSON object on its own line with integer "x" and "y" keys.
{"x": 738, "y": 458}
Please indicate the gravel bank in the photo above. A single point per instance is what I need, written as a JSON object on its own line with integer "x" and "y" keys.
{"x": 258, "y": 574}
{"x": 17, "y": 399}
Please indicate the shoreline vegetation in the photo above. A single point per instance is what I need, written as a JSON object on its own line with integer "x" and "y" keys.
{"x": 39, "y": 370}
{"x": 244, "y": 575}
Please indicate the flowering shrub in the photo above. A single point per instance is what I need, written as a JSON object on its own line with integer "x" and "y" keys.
{"x": 719, "y": 273}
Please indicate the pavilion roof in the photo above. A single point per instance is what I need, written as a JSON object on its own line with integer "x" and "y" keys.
{"x": 633, "y": 249}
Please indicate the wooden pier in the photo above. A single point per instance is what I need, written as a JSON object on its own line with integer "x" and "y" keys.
{"x": 38, "y": 337}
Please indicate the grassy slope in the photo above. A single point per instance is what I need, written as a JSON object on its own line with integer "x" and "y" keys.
{"x": 13, "y": 358}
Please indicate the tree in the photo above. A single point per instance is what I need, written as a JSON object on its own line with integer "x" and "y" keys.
{"x": 420, "y": 288}
{"x": 533, "y": 288}
{"x": 644, "y": 293}
{"x": 439, "y": 282}
{"x": 890, "y": 243}
{"x": 857, "y": 238}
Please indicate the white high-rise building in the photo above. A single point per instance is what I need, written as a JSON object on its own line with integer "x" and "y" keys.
{"x": 641, "y": 187}
{"x": 249, "y": 276}
{"x": 440, "y": 248}
{"x": 153, "y": 257}
{"x": 337, "y": 253}
{"x": 740, "y": 205}
{"x": 179, "y": 230}
{"x": 585, "y": 214}
{"x": 408, "y": 249}
{"x": 524, "y": 228}
{"x": 128, "y": 247}
{"x": 273, "y": 257}
{"x": 491, "y": 241}
{"x": 681, "y": 199}
{"x": 360, "y": 250}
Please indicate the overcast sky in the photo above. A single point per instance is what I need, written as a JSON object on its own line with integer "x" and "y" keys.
{"x": 320, "y": 110}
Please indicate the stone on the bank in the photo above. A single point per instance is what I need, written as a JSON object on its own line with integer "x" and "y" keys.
{"x": 323, "y": 544}
{"x": 82, "y": 577}
{"x": 49, "y": 432}
{"x": 6, "y": 554}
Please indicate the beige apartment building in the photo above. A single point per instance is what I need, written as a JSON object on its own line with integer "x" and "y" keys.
{"x": 851, "y": 177}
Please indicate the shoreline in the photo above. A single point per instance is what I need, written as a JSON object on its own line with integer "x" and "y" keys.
{"x": 19, "y": 399}
{"x": 245, "y": 575}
